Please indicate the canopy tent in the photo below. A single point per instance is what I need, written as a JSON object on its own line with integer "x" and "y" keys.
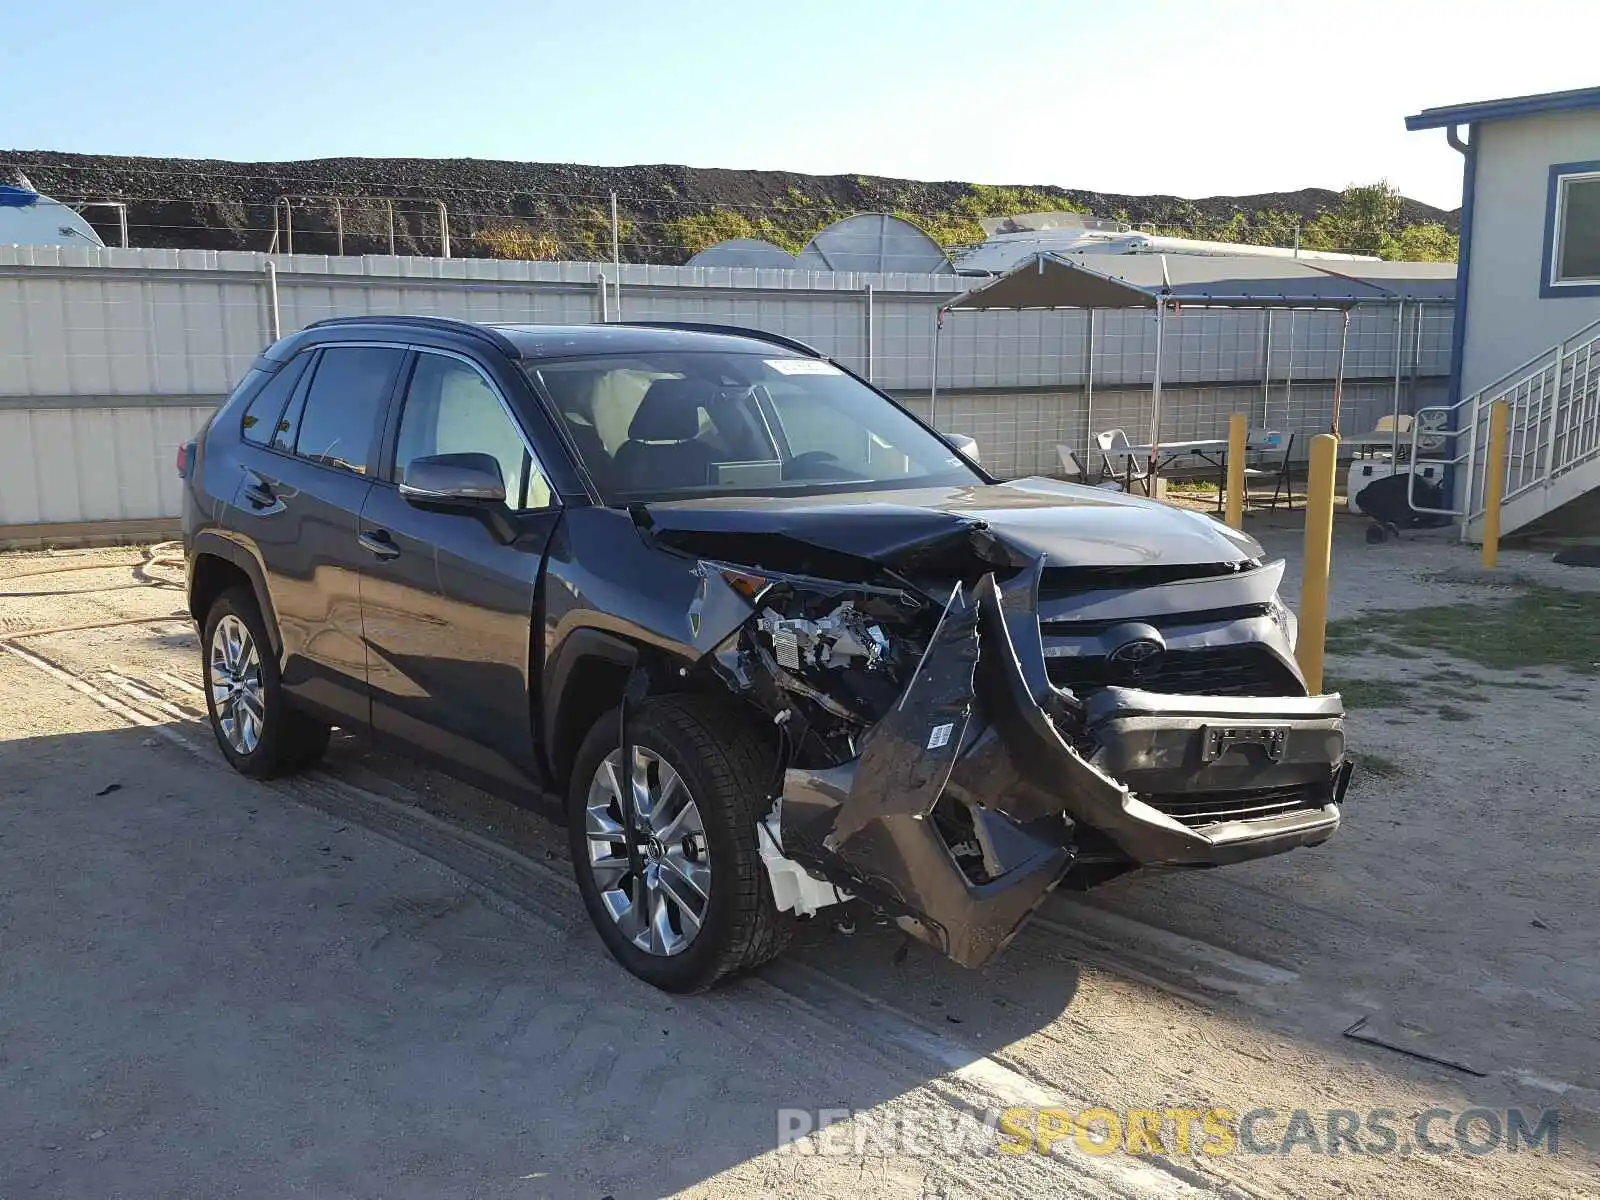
{"x": 1159, "y": 282}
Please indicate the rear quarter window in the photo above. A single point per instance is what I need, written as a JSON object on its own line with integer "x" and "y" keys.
{"x": 264, "y": 413}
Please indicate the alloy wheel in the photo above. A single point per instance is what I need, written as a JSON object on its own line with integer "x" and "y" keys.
{"x": 660, "y": 895}
{"x": 237, "y": 695}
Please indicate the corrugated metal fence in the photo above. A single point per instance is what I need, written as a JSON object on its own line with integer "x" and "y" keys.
{"x": 110, "y": 358}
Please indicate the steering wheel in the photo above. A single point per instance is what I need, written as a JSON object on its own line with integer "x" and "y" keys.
{"x": 810, "y": 457}
{"x": 815, "y": 464}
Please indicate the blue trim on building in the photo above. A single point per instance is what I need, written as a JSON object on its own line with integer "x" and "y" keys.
{"x": 1548, "y": 289}
{"x": 1500, "y": 110}
{"x": 1458, "y": 332}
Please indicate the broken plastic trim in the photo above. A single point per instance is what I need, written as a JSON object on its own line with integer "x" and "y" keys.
{"x": 868, "y": 820}
{"x": 970, "y": 722}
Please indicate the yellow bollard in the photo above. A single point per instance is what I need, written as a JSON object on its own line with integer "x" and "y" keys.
{"x": 1494, "y": 481}
{"x": 1318, "y": 560}
{"x": 1236, "y": 452}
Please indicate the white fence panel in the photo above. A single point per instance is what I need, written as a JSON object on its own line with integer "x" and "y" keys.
{"x": 110, "y": 358}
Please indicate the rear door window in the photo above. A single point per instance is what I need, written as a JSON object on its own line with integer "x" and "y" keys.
{"x": 264, "y": 414}
{"x": 344, "y": 406}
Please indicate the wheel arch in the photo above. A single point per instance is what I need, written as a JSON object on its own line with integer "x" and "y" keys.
{"x": 217, "y": 564}
{"x": 585, "y": 680}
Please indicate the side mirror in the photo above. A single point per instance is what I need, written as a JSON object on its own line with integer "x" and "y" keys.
{"x": 963, "y": 445}
{"x": 453, "y": 482}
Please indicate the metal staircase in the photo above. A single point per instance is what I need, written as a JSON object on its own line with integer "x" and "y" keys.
{"x": 1552, "y": 443}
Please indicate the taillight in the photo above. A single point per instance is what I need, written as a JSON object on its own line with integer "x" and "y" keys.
{"x": 185, "y": 459}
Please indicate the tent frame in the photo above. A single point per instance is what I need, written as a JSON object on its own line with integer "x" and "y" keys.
{"x": 1160, "y": 299}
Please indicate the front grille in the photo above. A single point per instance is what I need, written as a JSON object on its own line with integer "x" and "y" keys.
{"x": 1059, "y": 582}
{"x": 1196, "y": 810}
{"x": 1249, "y": 669}
{"x": 1067, "y": 627}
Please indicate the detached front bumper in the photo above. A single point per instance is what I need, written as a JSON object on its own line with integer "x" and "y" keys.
{"x": 1142, "y": 778}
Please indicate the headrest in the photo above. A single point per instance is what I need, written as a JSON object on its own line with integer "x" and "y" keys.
{"x": 570, "y": 390}
{"x": 670, "y": 411}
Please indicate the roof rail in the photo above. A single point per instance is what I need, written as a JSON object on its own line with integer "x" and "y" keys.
{"x": 759, "y": 335}
{"x": 483, "y": 333}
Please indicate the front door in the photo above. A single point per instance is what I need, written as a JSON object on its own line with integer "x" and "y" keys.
{"x": 299, "y": 499}
{"x": 448, "y": 603}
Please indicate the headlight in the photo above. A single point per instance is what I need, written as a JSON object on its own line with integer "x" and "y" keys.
{"x": 1284, "y": 616}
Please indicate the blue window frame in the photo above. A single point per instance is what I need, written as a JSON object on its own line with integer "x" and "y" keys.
{"x": 1572, "y": 231}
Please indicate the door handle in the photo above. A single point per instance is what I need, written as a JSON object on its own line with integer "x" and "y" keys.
{"x": 260, "y": 494}
{"x": 379, "y": 543}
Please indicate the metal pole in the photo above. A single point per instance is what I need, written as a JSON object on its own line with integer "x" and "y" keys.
{"x": 1288, "y": 375}
{"x": 1399, "y": 364}
{"x": 444, "y": 230}
{"x": 1338, "y": 379}
{"x": 1155, "y": 400}
{"x": 1416, "y": 354}
{"x": 933, "y": 392}
{"x": 1266, "y": 376}
{"x": 338, "y": 227}
{"x": 274, "y": 322}
{"x": 605, "y": 298}
{"x": 1297, "y": 239}
{"x": 1494, "y": 481}
{"x": 1471, "y": 465}
{"x": 1318, "y": 560}
{"x": 1088, "y": 397}
{"x": 288, "y": 224}
{"x": 122, "y": 223}
{"x": 389, "y": 204}
{"x": 1549, "y": 456}
{"x": 868, "y": 333}
{"x": 616, "y": 259}
{"x": 616, "y": 245}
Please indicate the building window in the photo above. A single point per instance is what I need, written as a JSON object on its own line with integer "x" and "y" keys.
{"x": 1572, "y": 231}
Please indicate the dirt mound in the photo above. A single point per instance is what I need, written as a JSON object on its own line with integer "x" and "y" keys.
{"x": 562, "y": 210}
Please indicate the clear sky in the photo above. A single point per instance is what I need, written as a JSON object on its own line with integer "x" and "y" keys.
{"x": 1193, "y": 99}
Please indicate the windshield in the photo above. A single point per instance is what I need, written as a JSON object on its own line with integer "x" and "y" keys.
{"x": 702, "y": 423}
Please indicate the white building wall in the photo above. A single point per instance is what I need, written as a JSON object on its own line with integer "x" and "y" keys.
{"x": 1508, "y": 322}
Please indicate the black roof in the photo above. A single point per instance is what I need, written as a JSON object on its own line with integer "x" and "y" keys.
{"x": 558, "y": 341}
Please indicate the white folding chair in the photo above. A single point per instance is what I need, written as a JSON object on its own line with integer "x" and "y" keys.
{"x": 1267, "y": 454}
{"x": 1070, "y": 466}
{"x": 1113, "y": 443}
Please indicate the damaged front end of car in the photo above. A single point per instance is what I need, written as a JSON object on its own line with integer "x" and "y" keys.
{"x": 965, "y": 726}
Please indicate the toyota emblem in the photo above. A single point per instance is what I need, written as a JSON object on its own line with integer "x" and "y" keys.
{"x": 1135, "y": 659}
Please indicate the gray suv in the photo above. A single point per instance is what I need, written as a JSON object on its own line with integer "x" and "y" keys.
{"x": 777, "y": 643}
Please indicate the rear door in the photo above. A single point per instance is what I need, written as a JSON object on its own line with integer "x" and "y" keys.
{"x": 299, "y": 501}
{"x": 448, "y": 602}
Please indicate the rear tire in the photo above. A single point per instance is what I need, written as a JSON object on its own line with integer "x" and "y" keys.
{"x": 682, "y": 943}
{"x": 257, "y": 730}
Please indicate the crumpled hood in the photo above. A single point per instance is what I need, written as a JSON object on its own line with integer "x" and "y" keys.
{"x": 1016, "y": 523}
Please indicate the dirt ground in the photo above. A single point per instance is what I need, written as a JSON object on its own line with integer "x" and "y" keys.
{"x": 373, "y": 980}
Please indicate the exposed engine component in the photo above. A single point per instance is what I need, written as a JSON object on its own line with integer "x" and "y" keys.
{"x": 843, "y": 638}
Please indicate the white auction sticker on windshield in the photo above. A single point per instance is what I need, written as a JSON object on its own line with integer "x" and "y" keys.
{"x": 802, "y": 366}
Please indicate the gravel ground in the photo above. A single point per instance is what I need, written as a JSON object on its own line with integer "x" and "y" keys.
{"x": 220, "y": 987}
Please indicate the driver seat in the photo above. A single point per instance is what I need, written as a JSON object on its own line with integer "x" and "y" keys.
{"x": 662, "y": 450}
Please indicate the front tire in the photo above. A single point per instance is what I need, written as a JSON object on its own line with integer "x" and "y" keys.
{"x": 258, "y": 732}
{"x": 693, "y": 906}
